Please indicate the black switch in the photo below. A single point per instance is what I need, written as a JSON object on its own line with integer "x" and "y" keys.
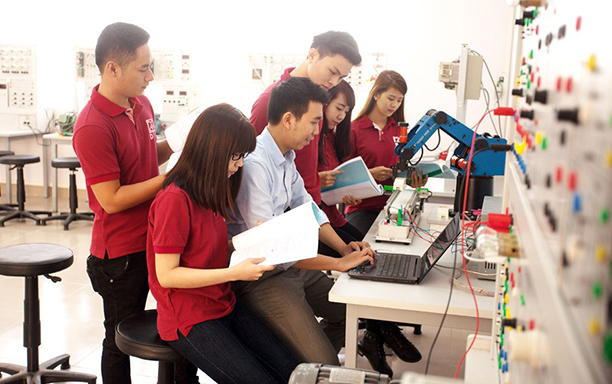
{"x": 527, "y": 181}
{"x": 517, "y": 92}
{"x": 548, "y": 181}
{"x": 563, "y": 137}
{"x": 529, "y": 14}
{"x": 561, "y": 33}
{"x": 529, "y": 99}
{"x": 541, "y": 96}
{"x": 564, "y": 259}
{"x": 568, "y": 115}
{"x": 520, "y": 22}
{"x": 549, "y": 39}
{"x": 509, "y": 323}
{"x": 527, "y": 114}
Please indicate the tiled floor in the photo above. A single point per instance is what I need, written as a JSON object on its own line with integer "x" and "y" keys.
{"x": 71, "y": 313}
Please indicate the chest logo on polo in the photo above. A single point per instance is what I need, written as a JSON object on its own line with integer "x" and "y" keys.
{"x": 151, "y": 126}
{"x": 396, "y": 139}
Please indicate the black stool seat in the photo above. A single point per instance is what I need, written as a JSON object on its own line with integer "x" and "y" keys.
{"x": 30, "y": 261}
{"x": 137, "y": 336}
{"x": 19, "y": 159}
{"x": 34, "y": 259}
{"x": 66, "y": 162}
{"x": 6, "y": 153}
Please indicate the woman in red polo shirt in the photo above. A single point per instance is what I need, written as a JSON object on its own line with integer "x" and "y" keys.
{"x": 374, "y": 135}
{"x": 334, "y": 148}
{"x": 188, "y": 254}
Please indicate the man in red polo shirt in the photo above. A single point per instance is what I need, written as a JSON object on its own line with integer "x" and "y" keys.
{"x": 329, "y": 60}
{"x": 115, "y": 141}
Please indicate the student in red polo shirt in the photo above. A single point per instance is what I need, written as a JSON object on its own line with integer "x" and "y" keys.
{"x": 374, "y": 135}
{"x": 334, "y": 148}
{"x": 187, "y": 254}
{"x": 115, "y": 141}
{"x": 330, "y": 58}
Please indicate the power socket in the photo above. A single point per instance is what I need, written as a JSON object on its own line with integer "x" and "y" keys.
{"x": 26, "y": 121}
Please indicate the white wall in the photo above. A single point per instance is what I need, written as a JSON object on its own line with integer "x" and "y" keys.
{"x": 415, "y": 36}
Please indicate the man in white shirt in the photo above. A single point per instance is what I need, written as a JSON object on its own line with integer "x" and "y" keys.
{"x": 288, "y": 298}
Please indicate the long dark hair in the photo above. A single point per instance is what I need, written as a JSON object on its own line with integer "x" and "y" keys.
{"x": 342, "y": 142}
{"x": 385, "y": 81}
{"x": 201, "y": 171}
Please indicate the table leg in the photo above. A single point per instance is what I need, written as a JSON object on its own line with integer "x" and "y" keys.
{"x": 9, "y": 186}
{"x": 350, "y": 347}
{"x": 55, "y": 154}
{"x": 45, "y": 161}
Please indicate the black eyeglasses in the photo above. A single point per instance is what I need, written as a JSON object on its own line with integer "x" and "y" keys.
{"x": 238, "y": 156}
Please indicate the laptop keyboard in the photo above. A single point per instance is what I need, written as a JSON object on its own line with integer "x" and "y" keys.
{"x": 392, "y": 265}
{"x": 387, "y": 265}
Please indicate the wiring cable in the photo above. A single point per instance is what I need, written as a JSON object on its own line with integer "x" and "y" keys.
{"x": 467, "y": 185}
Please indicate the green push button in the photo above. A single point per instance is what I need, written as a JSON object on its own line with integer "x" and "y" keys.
{"x": 597, "y": 290}
{"x": 604, "y": 217}
{"x": 607, "y": 348}
{"x": 544, "y": 143}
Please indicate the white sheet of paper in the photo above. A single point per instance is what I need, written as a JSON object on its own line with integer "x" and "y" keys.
{"x": 289, "y": 237}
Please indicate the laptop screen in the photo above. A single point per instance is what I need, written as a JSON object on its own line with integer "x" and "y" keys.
{"x": 441, "y": 244}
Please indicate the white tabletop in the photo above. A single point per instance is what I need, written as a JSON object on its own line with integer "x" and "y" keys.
{"x": 56, "y": 137}
{"x": 15, "y": 133}
{"x": 424, "y": 303}
{"x": 430, "y": 295}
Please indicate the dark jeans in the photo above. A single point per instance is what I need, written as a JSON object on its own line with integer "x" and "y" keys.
{"x": 362, "y": 220}
{"x": 123, "y": 285}
{"x": 347, "y": 233}
{"x": 237, "y": 348}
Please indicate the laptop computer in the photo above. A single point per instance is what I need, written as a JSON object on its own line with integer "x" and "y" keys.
{"x": 409, "y": 269}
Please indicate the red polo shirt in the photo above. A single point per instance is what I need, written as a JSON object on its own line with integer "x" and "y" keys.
{"x": 110, "y": 146}
{"x": 331, "y": 162}
{"x": 177, "y": 225}
{"x": 376, "y": 148}
{"x": 305, "y": 158}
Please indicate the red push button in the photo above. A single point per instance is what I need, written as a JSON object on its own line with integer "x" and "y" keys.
{"x": 559, "y": 174}
{"x": 573, "y": 181}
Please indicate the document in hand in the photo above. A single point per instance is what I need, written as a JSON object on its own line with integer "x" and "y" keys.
{"x": 292, "y": 236}
{"x": 355, "y": 180}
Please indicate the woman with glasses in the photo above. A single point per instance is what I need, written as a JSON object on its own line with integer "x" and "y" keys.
{"x": 188, "y": 257}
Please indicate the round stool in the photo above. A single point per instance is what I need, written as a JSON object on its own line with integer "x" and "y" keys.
{"x": 137, "y": 336}
{"x": 18, "y": 162}
{"x": 71, "y": 163}
{"x": 8, "y": 206}
{"x": 31, "y": 261}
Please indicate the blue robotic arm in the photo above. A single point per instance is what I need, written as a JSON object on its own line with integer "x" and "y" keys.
{"x": 489, "y": 156}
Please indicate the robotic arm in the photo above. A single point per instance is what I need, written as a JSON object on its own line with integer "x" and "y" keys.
{"x": 489, "y": 156}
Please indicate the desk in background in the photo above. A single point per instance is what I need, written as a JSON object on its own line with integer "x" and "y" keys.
{"x": 7, "y": 137}
{"x": 423, "y": 303}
